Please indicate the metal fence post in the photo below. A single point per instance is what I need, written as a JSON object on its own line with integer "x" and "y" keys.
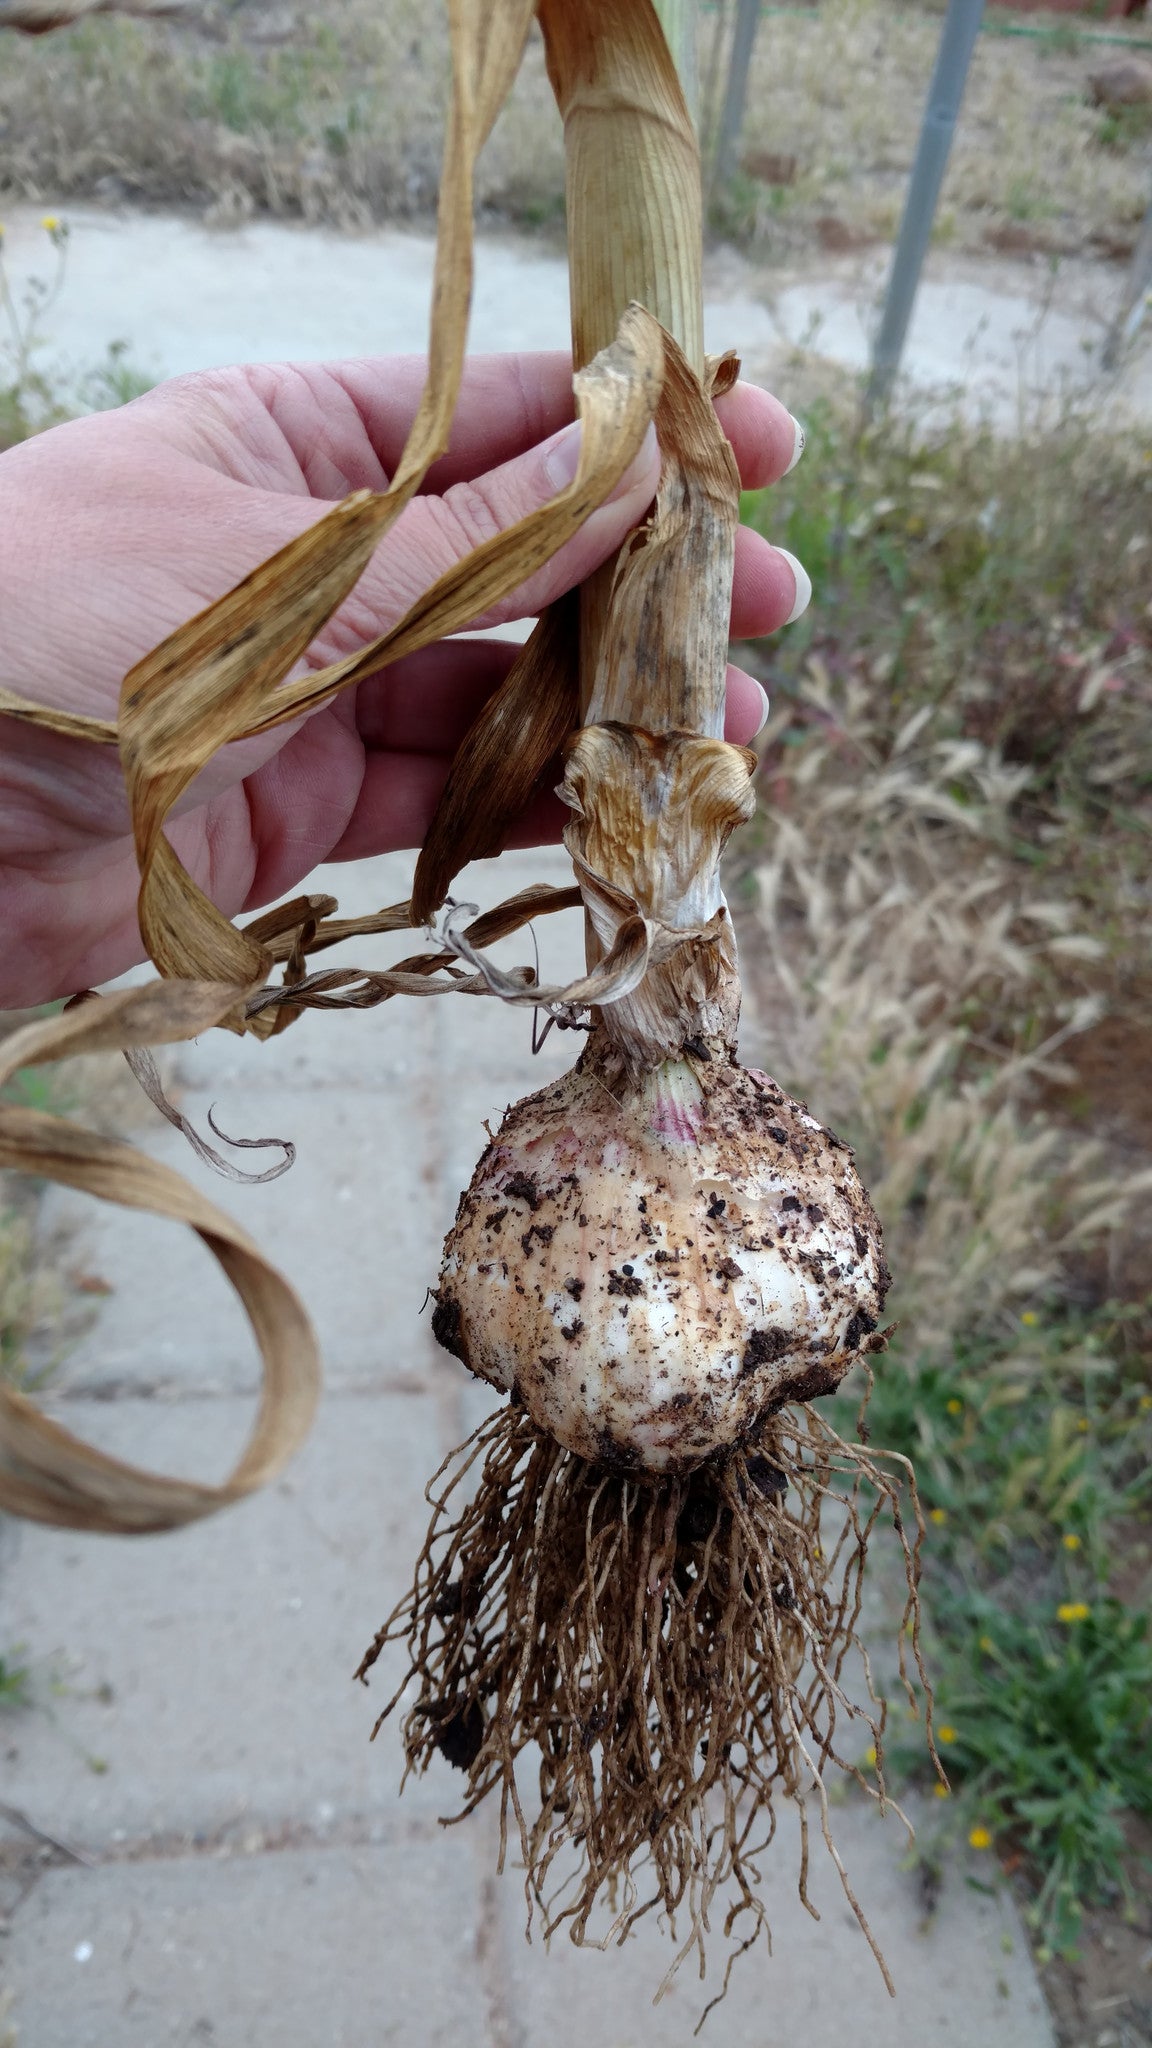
{"x": 961, "y": 27}
{"x": 1135, "y": 301}
{"x": 736, "y": 91}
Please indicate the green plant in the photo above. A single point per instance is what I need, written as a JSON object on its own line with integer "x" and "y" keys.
{"x": 1050, "y": 1725}
{"x": 1123, "y": 128}
{"x": 13, "y": 1684}
{"x": 1032, "y": 1452}
{"x": 115, "y": 381}
{"x": 28, "y": 400}
{"x": 1034, "y": 1435}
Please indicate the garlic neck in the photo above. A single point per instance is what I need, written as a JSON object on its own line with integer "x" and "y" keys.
{"x": 652, "y": 813}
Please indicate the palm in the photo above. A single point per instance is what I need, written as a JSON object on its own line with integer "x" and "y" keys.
{"x": 119, "y": 527}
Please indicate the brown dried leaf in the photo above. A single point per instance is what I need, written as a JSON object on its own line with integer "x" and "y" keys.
{"x": 197, "y": 692}
{"x": 48, "y": 1474}
{"x": 76, "y": 725}
{"x": 653, "y": 813}
{"x": 36, "y": 17}
{"x": 664, "y": 652}
{"x": 500, "y": 761}
{"x": 633, "y": 201}
{"x": 214, "y": 679}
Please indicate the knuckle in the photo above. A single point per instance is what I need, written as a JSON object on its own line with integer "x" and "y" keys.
{"x": 475, "y": 512}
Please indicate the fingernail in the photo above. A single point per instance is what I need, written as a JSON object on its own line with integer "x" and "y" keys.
{"x": 562, "y": 456}
{"x": 803, "y": 596}
{"x": 764, "y": 713}
{"x": 797, "y": 444}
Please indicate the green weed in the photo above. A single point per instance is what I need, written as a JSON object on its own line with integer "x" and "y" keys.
{"x": 1031, "y": 1458}
{"x": 31, "y": 398}
{"x": 1123, "y": 128}
{"x": 1044, "y": 1728}
{"x": 1004, "y": 597}
{"x": 115, "y": 381}
{"x": 14, "y": 1682}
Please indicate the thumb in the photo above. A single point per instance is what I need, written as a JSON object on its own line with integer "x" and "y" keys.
{"x": 433, "y": 533}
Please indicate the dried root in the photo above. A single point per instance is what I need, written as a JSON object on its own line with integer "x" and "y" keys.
{"x": 674, "y": 1649}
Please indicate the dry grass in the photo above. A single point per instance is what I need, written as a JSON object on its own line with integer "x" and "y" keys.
{"x": 921, "y": 983}
{"x": 1033, "y": 165}
{"x": 262, "y": 108}
{"x": 945, "y": 947}
{"x": 262, "y": 111}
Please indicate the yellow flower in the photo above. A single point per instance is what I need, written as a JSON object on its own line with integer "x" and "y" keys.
{"x": 938, "y": 1515}
{"x": 870, "y": 1757}
{"x": 1073, "y": 1610}
{"x": 50, "y": 223}
{"x": 986, "y": 1643}
{"x": 1082, "y": 1426}
{"x": 955, "y": 1407}
{"x": 1029, "y": 1316}
{"x": 946, "y": 1733}
{"x": 941, "y": 1791}
{"x": 1071, "y": 1541}
{"x": 1145, "y": 1401}
{"x": 980, "y": 1838}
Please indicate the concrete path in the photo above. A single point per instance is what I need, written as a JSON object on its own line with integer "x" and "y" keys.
{"x": 250, "y": 1878}
{"x": 998, "y": 332}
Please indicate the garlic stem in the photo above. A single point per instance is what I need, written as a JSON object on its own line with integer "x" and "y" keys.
{"x": 632, "y": 168}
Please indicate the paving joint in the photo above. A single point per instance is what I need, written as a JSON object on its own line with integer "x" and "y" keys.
{"x": 232, "y": 1838}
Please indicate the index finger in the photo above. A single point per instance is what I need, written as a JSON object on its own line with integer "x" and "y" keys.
{"x": 509, "y": 403}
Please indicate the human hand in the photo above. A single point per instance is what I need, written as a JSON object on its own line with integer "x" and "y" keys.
{"x": 117, "y": 528}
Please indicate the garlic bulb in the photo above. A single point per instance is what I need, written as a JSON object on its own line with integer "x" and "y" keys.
{"x": 651, "y": 1276}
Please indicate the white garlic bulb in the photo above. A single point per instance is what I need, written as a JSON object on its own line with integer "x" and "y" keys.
{"x": 650, "y": 1276}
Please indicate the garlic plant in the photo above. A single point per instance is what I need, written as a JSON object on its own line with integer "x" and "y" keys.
{"x": 644, "y": 1570}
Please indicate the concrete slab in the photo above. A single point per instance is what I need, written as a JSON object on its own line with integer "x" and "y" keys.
{"x": 384, "y": 1047}
{"x": 412, "y": 1082}
{"x": 187, "y": 297}
{"x": 339, "y": 1948}
{"x": 359, "y": 1239}
{"x": 202, "y": 1681}
{"x": 963, "y": 1979}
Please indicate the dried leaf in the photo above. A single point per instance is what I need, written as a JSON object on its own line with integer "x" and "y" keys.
{"x": 663, "y": 657}
{"x": 36, "y": 17}
{"x": 633, "y": 200}
{"x": 499, "y": 762}
{"x": 76, "y": 725}
{"x": 148, "y": 1074}
{"x": 197, "y": 692}
{"x": 48, "y": 1474}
